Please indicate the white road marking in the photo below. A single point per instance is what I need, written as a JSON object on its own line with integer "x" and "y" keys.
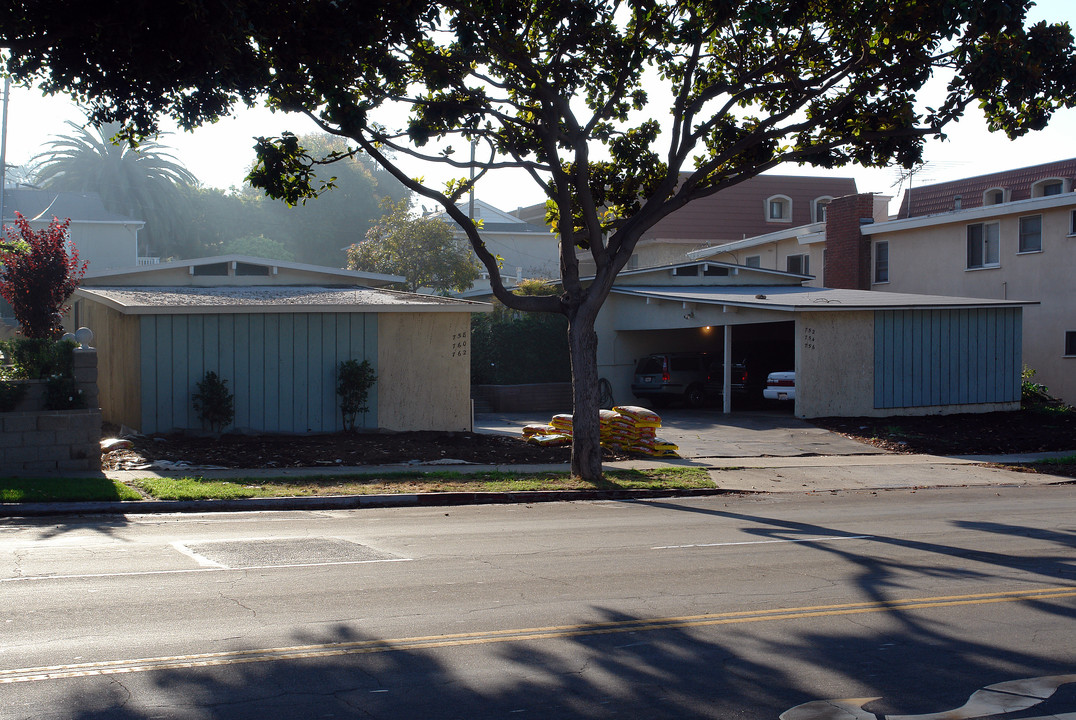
{"x": 200, "y": 559}
{"x": 765, "y": 542}
{"x": 196, "y": 570}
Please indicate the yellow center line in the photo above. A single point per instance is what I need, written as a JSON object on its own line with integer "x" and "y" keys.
{"x": 174, "y": 662}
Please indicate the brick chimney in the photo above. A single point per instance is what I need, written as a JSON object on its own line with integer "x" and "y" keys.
{"x": 848, "y": 256}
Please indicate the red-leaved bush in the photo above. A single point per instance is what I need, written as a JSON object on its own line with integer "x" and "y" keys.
{"x": 38, "y": 283}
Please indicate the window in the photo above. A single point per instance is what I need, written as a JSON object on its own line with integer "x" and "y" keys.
{"x": 715, "y": 271}
{"x": 756, "y": 260}
{"x": 984, "y": 245}
{"x": 799, "y": 264}
{"x": 820, "y": 206}
{"x": 958, "y": 202}
{"x": 1049, "y": 186}
{"x": 1030, "y": 234}
{"x": 686, "y": 271}
{"x": 1070, "y": 343}
{"x": 1072, "y": 223}
{"x": 994, "y": 197}
{"x": 881, "y": 262}
{"x": 779, "y": 208}
{"x": 248, "y": 269}
{"x": 210, "y": 269}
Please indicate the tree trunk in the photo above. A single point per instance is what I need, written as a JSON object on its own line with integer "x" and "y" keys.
{"x": 586, "y": 426}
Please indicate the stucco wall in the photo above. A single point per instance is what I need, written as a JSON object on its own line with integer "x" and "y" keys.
{"x": 537, "y": 255}
{"x": 424, "y": 371}
{"x": 934, "y": 260}
{"x": 104, "y": 246}
{"x": 834, "y": 364}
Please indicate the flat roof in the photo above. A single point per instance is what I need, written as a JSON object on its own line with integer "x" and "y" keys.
{"x": 270, "y": 299}
{"x": 792, "y": 298}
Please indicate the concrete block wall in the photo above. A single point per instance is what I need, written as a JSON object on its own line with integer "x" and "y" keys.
{"x": 34, "y": 440}
{"x": 50, "y": 441}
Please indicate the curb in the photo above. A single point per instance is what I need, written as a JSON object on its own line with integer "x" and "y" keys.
{"x": 344, "y": 502}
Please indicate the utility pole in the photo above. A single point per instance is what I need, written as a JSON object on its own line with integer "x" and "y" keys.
{"x": 3, "y": 149}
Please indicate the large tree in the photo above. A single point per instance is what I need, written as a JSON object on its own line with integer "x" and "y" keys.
{"x": 621, "y": 111}
{"x": 143, "y": 181}
{"x": 421, "y": 249}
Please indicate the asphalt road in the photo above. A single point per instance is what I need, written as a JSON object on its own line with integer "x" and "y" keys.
{"x": 725, "y": 607}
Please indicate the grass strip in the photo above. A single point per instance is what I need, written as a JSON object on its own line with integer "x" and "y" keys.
{"x": 1064, "y": 460}
{"x": 190, "y": 488}
{"x": 26, "y": 490}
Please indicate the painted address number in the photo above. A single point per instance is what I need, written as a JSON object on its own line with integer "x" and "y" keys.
{"x": 459, "y": 345}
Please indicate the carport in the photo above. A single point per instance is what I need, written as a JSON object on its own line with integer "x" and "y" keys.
{"x": 855, "y": 352}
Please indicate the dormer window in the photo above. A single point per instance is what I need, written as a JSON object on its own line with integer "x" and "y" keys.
{"x": 820, "y": 206}
{"x": 994, "y": 196}
{"x": 1047, "y": 187}
{"x": 779, "y": 208}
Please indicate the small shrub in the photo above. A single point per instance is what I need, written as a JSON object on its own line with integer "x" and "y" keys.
{"x": 62, "y": 393}
{"x": 1031, "y": 391}
{"x": 354, "y": 380}
{"x": 32, "y": 358}
{"x": 10, "y": 394}
{"x": 214, "y": 403}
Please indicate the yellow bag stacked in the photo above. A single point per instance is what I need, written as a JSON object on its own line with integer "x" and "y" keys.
{"x": 642, "y": 430}
{"x": 532, "y": 430}
{"x": 562, "y": 423}
{"x": 656, "y": 447}
{"x": 609, "y": 427}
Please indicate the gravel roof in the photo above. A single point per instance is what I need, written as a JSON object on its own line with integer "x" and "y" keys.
{"x": 306, "y": 298}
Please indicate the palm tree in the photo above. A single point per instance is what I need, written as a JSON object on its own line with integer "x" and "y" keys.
{"x": 145, "y": 182}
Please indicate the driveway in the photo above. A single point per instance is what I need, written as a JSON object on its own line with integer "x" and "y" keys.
{"x": 712, "y": 434}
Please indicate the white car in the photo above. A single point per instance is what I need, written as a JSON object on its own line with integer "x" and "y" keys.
{"x": 780, "y": 386}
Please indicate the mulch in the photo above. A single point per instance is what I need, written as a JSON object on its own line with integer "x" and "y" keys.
{"x": 1024, "y": 431}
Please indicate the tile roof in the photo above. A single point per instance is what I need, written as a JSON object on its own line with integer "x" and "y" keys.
{"x": 939, "y": 197}
{"x": 737, "y": 212}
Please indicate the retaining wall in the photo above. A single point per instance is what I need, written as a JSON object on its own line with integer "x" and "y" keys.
{"x": 34, "y": 440}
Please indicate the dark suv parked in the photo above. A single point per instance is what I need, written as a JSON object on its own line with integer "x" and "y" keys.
{"x": 694, "y": 377}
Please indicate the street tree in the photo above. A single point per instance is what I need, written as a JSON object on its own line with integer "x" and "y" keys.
{"x": 621, "y": 111}
{"x": 421, "y": 249}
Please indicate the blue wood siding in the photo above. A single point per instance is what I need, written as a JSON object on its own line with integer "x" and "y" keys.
{"x": 946, "y": 357}
{"x": 280, "y": 367}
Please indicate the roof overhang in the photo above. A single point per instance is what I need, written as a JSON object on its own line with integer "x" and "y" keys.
{"x": 801, "y": 233}
{"x": 808, "y": 299}
{"x": 271, "y": 299}
{"x": 1018, "y": 207}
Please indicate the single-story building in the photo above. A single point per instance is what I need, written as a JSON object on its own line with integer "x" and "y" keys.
{"x": 276, "y": 332}
{"x": 855, "y": 352}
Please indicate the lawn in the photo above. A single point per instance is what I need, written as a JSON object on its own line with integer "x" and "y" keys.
{"x": 193, "y": 488}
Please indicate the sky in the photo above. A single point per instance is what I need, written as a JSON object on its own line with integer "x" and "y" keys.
{"x": 219, "y": 155}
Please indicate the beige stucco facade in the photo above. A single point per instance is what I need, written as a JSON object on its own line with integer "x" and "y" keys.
{"x": 930, "y": 255}
{"x": 424, "y": 371}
